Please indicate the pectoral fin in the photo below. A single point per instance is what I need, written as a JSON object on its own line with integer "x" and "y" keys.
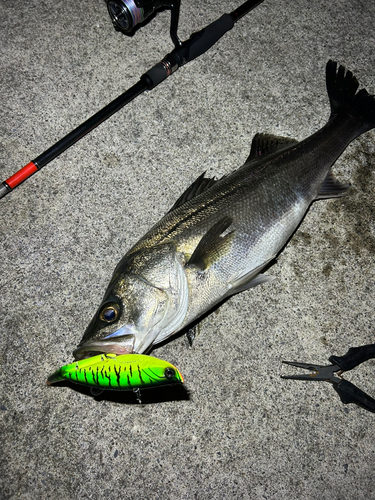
{"x": 213, "y": 245}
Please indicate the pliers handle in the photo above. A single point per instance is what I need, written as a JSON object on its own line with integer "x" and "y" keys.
{"x": 347, "y": 391}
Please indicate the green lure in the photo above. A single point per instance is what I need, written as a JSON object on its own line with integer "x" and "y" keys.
{"x": 125, "y": 372}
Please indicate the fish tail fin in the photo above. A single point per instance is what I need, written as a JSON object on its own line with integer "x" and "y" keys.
{"x": 342, "y": 88}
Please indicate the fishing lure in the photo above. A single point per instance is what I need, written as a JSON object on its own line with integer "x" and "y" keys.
{"x": 123, "y": 372}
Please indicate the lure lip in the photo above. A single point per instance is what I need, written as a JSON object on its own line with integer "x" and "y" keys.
{"x": 55, "y": 377}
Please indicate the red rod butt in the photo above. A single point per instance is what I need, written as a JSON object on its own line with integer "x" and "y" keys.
{"x": 16, "y": 179}
{"x": 21, "y": 175}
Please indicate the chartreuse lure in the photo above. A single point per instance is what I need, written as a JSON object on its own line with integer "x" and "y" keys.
{"x": 123, "y": 372}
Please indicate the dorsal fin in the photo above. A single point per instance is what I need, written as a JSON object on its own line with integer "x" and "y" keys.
{"x": 213, "y": 245}
{"x": 199, "y": 185}
{"x": 266, "y": 144}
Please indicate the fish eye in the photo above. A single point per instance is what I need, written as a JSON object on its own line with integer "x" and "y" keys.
{"x": 109, "y": 313}
{"x": 169, "y": 373}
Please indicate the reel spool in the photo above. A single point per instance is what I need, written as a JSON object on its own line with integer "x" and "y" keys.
{"x": 127, "y": 15}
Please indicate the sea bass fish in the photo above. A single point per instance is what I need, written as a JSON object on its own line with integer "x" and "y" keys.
{"x": 220, "y": 234}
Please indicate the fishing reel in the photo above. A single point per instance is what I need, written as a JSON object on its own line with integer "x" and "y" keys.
{"x": 128, "y": 15}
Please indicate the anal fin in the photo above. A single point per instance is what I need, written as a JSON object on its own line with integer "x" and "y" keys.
{"x": 332, "y": 188}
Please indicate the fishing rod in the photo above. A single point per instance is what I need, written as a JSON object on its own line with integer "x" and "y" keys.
{"x": 127, "y": 16}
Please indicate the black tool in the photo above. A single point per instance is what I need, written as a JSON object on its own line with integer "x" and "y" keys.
{"x": 347, "y": 391}
{"x": 184, "y": 52}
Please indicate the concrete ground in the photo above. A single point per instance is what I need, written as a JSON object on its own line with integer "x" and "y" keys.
{"x": 238, "y": 430}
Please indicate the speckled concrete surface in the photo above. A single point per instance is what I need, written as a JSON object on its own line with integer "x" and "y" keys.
{"x": 239, "y": 431}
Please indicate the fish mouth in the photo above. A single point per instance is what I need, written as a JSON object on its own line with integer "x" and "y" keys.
{"x": 122, "y": 345}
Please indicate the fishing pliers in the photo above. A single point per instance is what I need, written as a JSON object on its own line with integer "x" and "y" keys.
{"x": 347, "y": 391}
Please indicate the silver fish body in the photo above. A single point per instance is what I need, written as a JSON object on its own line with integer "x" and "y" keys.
{"x": 219, "y": 235}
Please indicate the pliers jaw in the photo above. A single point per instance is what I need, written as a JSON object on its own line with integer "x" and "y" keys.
{"x": 347, "y": 391}
{"x": 319, "y": 372}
